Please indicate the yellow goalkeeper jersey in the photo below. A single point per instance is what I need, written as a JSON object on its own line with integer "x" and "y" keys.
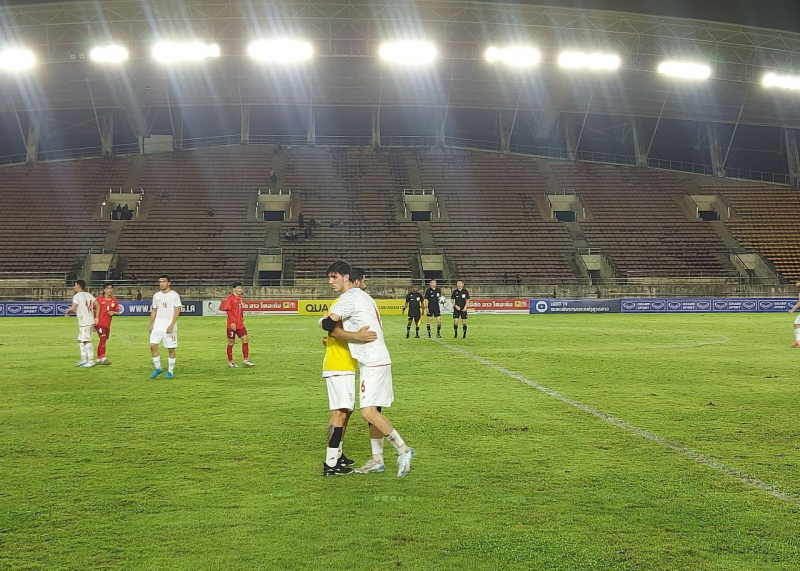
{"x": 337, "y": 355}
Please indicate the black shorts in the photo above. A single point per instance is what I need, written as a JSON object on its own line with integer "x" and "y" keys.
{"x": 415, "y": 315}
{"x": 459, "y": 314}
{"x": 434, "y": 310}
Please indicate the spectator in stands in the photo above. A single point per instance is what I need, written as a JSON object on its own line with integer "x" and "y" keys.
{"x": 505, "y": 278}
{"x": 126, "y": 214}
{"x": 273, "y": 178}
{"x": 139, "y": 295}
{"x": 301, "y": 218}
{"x": 117, "y": 213}
{"x": 519, "y": 279}
{"x": 307, "y": 232}
{"x": 292, "y": 234}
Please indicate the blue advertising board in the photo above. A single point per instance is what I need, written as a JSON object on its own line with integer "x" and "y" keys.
{"x": 57, "y": 308}
{"x": 538, "y": 306}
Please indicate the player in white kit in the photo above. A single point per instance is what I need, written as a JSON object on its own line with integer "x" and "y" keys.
{"x": 356, "y": 309}
{"x": 796, "y": 322}
{"x": 163, "y": 325}
{"x": 83, "y": 307}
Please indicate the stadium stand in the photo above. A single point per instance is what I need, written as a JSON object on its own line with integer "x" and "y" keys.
{"x": 47, "y": 223}
{"x": 766, "y": 219}
{"x": 493, "y": 226}
{"x": 197, "y": 223}
{"x": 636, "y": 219}
{"x": 364, "y": 192}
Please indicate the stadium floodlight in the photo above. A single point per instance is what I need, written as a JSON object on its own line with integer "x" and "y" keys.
{"x": 518, "y": 56}
{"x": 408, "y": 52}
{"x": 592, "y": 61}
{"x": 169, "y": 52}
{"x": 280, "y": 51}
{"x": 772, "y": 79}
{"x": 685, "y": 69}
{"x": 16, "y": 59}
{"x": 109, "y": 54}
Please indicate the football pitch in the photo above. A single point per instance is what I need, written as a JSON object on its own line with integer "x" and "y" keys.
{"x": 543, "y": 442}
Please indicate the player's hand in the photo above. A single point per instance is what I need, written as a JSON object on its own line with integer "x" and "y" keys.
{"x": 233, "y": 327}
{"x": 324, "y": 341}
{"x": 791, "y": 310}
{"x": 96, "y": 321}
{"x": 169, "y": 329}
{"x": 364, "y": 335}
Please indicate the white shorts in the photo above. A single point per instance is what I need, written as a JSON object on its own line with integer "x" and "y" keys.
{"x": 85, "y": 333}
{"x": 375, "y": 388}
{"x": 797, "y": 320}
{"x": 341, "y": 389}
{"x": 170, "y": 340}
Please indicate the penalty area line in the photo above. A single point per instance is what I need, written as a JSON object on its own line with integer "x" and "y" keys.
{"x": 611, "y": 419}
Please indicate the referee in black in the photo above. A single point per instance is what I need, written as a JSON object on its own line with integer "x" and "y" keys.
{"x": 414, "y": 305}
{"x": 460, "y": 299}
{"x": 432, "y": 297}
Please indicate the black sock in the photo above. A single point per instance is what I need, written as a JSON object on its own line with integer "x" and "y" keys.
{"x": 455, "y": 328}
{"x": 417, "y": 330}
{"x": 408, "y": 329}
{"x": 429, "y": 329}
{"x": 465, "y": 330}
{"x": 438, "y": 330}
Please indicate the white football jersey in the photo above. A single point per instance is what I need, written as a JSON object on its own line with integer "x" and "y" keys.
{"x": 85, "y": 311}
{"x": 165, "y": 304}
{"x": 357, "y": 309}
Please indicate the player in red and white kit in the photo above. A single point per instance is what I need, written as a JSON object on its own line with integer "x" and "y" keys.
{"x": 105, "y": 307}
{"x": 233, "y": 305}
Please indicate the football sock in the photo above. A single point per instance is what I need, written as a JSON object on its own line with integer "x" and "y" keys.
{"x": 438, "y": 329}
{"x": 246, "y": 351}
{"x": 89, "y": 353}
{"x": 171, "y": 362}
{"x": 455, "y": 328}
{"x": 332, "y": 452}
{"x": 429, "y": 330}
{"x": 230, "y": 353}
{"x": 377, "y": 449}
{"x": 417, "y": 330}
{"x": 157, "y": 362}
{"x": 83, "y": 349}
{"x": 465, "y": 331}
{"x": 797, "y": 335}
{"x": 408, "y": 329}
{"x": 397, "y": 442}
{"x": 101, "y": 348}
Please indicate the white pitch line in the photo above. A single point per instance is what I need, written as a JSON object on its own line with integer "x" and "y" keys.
{"x": 682, "y": 450}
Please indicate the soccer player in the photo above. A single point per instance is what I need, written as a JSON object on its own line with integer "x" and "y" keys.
{"x": 432, "y": 296}
{"x": 163, "y": 326}
{"x": 82, "y": 306}
{"x": 356, "y": 309}
{"x": 460, "y": 299}
{"x": 105, "y": 307}
{"x": 414, "y": 304}
{"x": 796, "y": 322}
{"x": 233, "y": 306}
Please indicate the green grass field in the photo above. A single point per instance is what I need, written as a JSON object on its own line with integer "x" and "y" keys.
{"x": 220, "y": 469}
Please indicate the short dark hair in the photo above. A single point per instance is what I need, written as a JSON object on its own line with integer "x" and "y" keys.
{"x": 107, "y": 284}
{"x": 165, "y": 276}
{"x": 459, "y": 280}
{"x": 237, "y": 284}
{"x": 82, "y": 284}
{"x": 339, "y": 267}
{"x": 357, "y": 274}
{"x": 433, "y": 279}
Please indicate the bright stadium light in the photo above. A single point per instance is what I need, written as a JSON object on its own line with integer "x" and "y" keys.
{"x": 169, "y": 52}
{"x": 109, "y": 54}
{"x": 518, "y": 56}
{"x": 280, "y": 51}
{"x": 409, "y": 52}
{"x": 685, "y": 69}
{"x": 593, "y": 61}
{"x": 772, "y": 79}
{"x": 16, "y": 59}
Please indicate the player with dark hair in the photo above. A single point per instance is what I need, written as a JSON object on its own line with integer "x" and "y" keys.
{"x": 233, "y": 305}
{"x": 105, "y": 307}
{"x": 432, "y": 297}
{"x": 83, "y": 307}
{"x": 414, "y": 304}
{"x": 460, "y": 299}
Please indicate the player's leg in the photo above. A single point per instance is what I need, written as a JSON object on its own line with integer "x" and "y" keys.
{"x": 171, "y": 360}
{"x": 229, "y": 348}
{"x": 438, "y": 326}
{"x": 464, "y": 324}
{"x": 82, "y": 349}
{"x": 456, "y": 315}
{"x": 102, "y": 333}
{"x": 344, "y": 460}
{"x": 430, "y": 315}
{"x": 376, "y": 438}
{"x": 341, "y": 401}
{"x": 417, "y": 320}
{"x": 85, "y": 337}
{"x": 245, "y": 348}
{"x": 796, "y": 332}
{"x": 408, "y": 326}
{"x": 155, "y": 338}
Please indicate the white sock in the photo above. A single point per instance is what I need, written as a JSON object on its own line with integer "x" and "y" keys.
{"x": 83, "y": 350}
{"x": 89, "y": 353}
{"x": 157, "y": 362}
{"x": 397, "y": 442}
{"x": 797, "y": 335}
{"x": 171, "y": 363}
{"x": 332, "y": 456}
{"x": 377, "y": 449}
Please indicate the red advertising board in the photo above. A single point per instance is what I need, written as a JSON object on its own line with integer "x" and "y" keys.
{"x": 499, "y": 305}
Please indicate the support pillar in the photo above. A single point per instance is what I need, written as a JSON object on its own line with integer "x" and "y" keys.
{"x": 717, "y": 157}
{"x": 639, "y": 142}
{"x": 107, "y": 133}
{"x": 793, "y": 155}
{"x": 505, "y": 124}
{"x": 571, "y": 132}
{"x": 312, "y": 128}
{"x": 376, "y": 127}
{"x": 441, "y": 122}
{"x": 32, "y": 142}
{"x": 177, "y": 129}
{"x": 245, "y": 125}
